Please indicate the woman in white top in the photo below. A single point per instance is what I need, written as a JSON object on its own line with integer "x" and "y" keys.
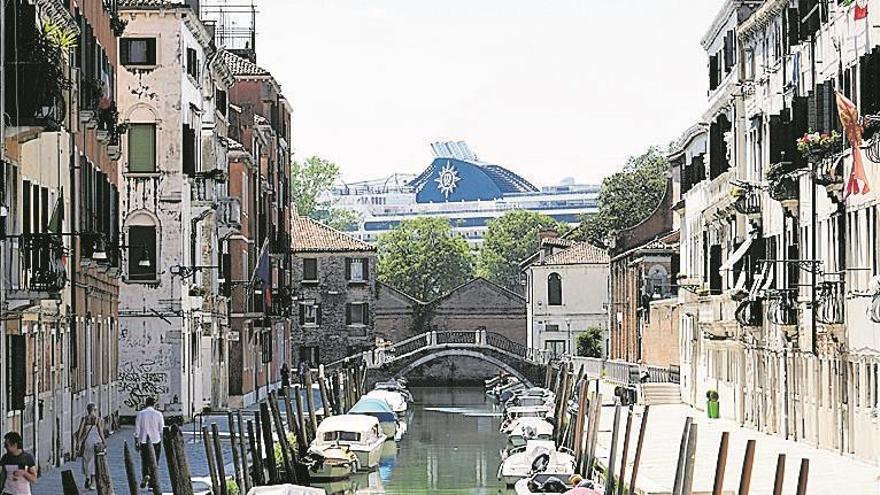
{"x": 89, "y": 435}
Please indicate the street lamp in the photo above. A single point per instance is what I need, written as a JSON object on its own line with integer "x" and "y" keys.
{"x": 568, "y": 323}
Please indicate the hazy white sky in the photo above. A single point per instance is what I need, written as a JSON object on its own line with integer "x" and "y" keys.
{"x": 548, "y": 88}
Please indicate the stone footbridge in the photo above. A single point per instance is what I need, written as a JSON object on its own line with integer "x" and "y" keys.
{"x": 401, "y": 358}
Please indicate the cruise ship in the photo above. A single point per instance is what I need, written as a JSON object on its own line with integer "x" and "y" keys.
{"x": 466, "y": 190}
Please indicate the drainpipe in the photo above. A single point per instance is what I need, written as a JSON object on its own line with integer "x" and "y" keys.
{"x": 192, "y": 373}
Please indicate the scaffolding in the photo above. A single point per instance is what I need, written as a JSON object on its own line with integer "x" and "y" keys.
{"x": 233, "y": 23}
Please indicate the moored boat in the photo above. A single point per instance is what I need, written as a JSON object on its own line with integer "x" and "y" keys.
{"x": 524, "y": 429}
{"x": 552, "y": 483}
{"x": 537, "y": 456}
{"x": 515, "y": 413}
{"x": 360, "y": 433}
{"x": 331, "y": 462}
{"x": 396, "y": 400}
{"x": 380, "y": 410}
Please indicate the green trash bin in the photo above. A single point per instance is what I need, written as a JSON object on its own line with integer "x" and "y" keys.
{"x": 712, "y": 404}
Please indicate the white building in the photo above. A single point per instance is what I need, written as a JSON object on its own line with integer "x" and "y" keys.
{"x": 461, "y": 187}
{"x": 566, "y": 293}
{"x": 173, "y": 165}
{"x": 782, "y": 307}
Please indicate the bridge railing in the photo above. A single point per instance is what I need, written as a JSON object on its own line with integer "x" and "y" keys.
{"x": 623, "y": 372}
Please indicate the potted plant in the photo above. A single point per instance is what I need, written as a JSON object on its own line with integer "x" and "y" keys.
{"x": 712, "y": 404}
{"x": 816, "y": 146}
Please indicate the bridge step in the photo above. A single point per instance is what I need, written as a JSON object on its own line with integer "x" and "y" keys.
{"x": 660, "y": 393}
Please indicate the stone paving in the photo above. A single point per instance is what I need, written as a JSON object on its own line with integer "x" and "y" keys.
{"x": 50, "y": 482}
{"x": 829, "y": 472}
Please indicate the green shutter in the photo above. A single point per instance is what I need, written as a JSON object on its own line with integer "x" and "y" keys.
{"x": 142, "y": 148}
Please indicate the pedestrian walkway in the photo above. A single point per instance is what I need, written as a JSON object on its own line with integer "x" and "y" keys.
{"x": 829, "y": 471}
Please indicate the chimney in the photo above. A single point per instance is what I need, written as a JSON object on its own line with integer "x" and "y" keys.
{"x": 547, "y": 234}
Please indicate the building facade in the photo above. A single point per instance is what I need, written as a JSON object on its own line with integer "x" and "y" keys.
{"x": 335, "y": 301}
{"x": 782, "y": 313}
{"x": 58, "y": 290}
{"x": 459, "y": 186}
{"x": 566, "y": 293}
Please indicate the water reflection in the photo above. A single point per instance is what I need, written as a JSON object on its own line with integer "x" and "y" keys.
{"x": 452, "y": 447}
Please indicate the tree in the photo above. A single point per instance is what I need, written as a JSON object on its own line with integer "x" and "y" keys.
{"x": 424, "y": 258}
{"x": 628, "y": 197}
{"x": 509, "y": 240}
{"x": 309, "y": 181}
{"x": 589, "y": 343}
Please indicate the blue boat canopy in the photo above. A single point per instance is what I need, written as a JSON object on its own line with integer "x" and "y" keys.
{"x": 369, "y": 405}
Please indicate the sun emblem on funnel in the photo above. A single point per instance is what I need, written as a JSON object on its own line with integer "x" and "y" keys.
{"x": 448, "y": 179}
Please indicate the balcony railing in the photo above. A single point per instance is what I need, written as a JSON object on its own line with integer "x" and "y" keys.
{"x": 831, "y": 303}
{"x": 229, "y": 213}
{"x": 201, "y": 190}
{"x": 782, "y": 308}
{"x": 749, "y": 202}
{"x": 36, "y": 267}
{"x": 749, "y": 313}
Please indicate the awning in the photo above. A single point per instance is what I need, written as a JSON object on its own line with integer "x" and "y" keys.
{"x": 737, "y": 254}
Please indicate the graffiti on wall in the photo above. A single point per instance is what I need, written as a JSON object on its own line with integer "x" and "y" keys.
{"x": 139, "y": 381}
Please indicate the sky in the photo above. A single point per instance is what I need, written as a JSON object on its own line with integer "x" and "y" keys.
{"x": 548, "y": 88}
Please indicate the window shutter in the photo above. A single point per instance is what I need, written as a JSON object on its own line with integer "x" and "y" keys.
{"x": 348, "y": 313}
{"x": 366, "y": 313}
{"x": 713, "y": 72}
{"x": 794, "y": 22}
{"x": 151, "y": 51}
{"x": 366, "y": 269}
{"x": 189, "y": 150}
{"x": 776, "y": 147}
{"x": 124, "y": 51}
{"x": 347, "y": 268}
{"x": 318, "y": 317}
{"x": 17, "y": 357}
{"x": 302, "y": 315}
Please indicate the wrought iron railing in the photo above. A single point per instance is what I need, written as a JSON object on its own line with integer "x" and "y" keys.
{"x": 501, "y": 342}
{"x": 749, "y": 202}
{"x": 830, "y": 171}
{"x": 456, "y": 337}
{"x": 832, "y": 302}
{"x": 782, "y": 308}
{"x": 36, "y": 266}
{"x": 749, "y": 313}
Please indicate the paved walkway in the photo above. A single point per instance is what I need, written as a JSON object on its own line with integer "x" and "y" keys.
{"x": 830, "y": 473}
{"x": 50, "y": 482}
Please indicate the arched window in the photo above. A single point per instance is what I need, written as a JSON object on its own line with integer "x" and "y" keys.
{"x": 554, "y": 290}
{"x": 142, "y": 231}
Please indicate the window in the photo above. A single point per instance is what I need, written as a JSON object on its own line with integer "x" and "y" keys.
{"x": 310, "y": 270}
{"x": 266, "y": 347}
{"x": 189, "y": 150}
{"x": 309, "y": 313}
{"x": 357, "y": 314}
{"x": 556, "y": 347}
{"x": 551, "y": 328}
{"x": 137, "y": 51}
{"x": 554, "y": 290}
{"x": 220, "y": 101}
{"x": 192, "y": 63}
{"x": 357, "y": 269}
{"x": 308, "y": 354}
{"x": 142, "y": 148}
{"x": 142, "y": 252}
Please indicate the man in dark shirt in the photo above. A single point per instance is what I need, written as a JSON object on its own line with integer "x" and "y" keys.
{"x": 19, "y": 466}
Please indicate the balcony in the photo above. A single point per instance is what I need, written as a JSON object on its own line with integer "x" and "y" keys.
{"x": 749, "y": 313}
{"x": 717, "y": 316}
{"x": 36, "y": 270}
{"x": 782, "y": 309}
{"x": 201, "y": 191}
{"x": 748, "y": 200}
{"x": 829, "y": 173}
{"x": 832, "y": 301}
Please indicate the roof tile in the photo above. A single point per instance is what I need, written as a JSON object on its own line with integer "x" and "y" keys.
{"x": 239, "y": 66}
{"x": 310, "y": 236}
{"x": 581, "y": 253}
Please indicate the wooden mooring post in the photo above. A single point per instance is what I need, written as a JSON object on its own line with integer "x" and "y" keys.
{"x": 258, "y": 477}
{"x": 178, "y": 464}
{"x": 593, "y": 434}
{"x": 310, "y": 402}
{"x": 289, "y": 473}
{"x": 300, "y": 415}
{"x": 68, "y": 483}
{"x": 779, "y": 479}
{"x": 130, "y": 473}
{"x": 638, "y": 457}
{"x": 269, "y": 443}
{"x": 612, "y": 455}
{"x": 745, "y": 480}
{"x": 236, "y": 457}
{"x": 212, "y": 461}
{"x": 103, "y": 482}
{"x": 687, "y": 483}
{"x": 218, "y": 454}
{"x": 721, "y": 464}
{"x": 803, "y": 474}
{"x": 626, "y": 434}
{"x": 682, "y": 453}
{"x": 325, "y": 396}
{"x": 244, "y": 457}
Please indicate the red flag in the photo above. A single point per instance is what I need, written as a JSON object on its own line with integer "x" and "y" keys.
{"x": 849, "y": 119}
{"x": 861, "y": 10}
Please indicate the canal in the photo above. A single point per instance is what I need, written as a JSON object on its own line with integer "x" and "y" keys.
{"x": 451, "y": 447}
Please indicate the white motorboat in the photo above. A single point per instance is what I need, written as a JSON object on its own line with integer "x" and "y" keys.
{"x": 398, "y": 385}
{"x": 332, "y": 462}
{"x": 531, "y": 397}
{"x": 396, "y": 400}
{"x": 285, "y": 490}
{"x": 538, "y": 456}
{"x": 360, "y": 433}
{"x": 524, "y": 429}
{"x": 554, "y": 484}
{"x": 517, "y": 412}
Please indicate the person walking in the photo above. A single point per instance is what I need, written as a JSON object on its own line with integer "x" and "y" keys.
{"x": 148, "y": 426}
{"x": 89, "y": 435}
{"x": 285, "y": 377}
{"x": 19, "y": 467}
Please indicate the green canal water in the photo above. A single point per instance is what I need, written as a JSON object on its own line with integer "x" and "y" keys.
{"x": 451, "y": 447}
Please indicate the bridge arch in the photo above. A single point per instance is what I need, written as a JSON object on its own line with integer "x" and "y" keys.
{"x": 431, "y": 356}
